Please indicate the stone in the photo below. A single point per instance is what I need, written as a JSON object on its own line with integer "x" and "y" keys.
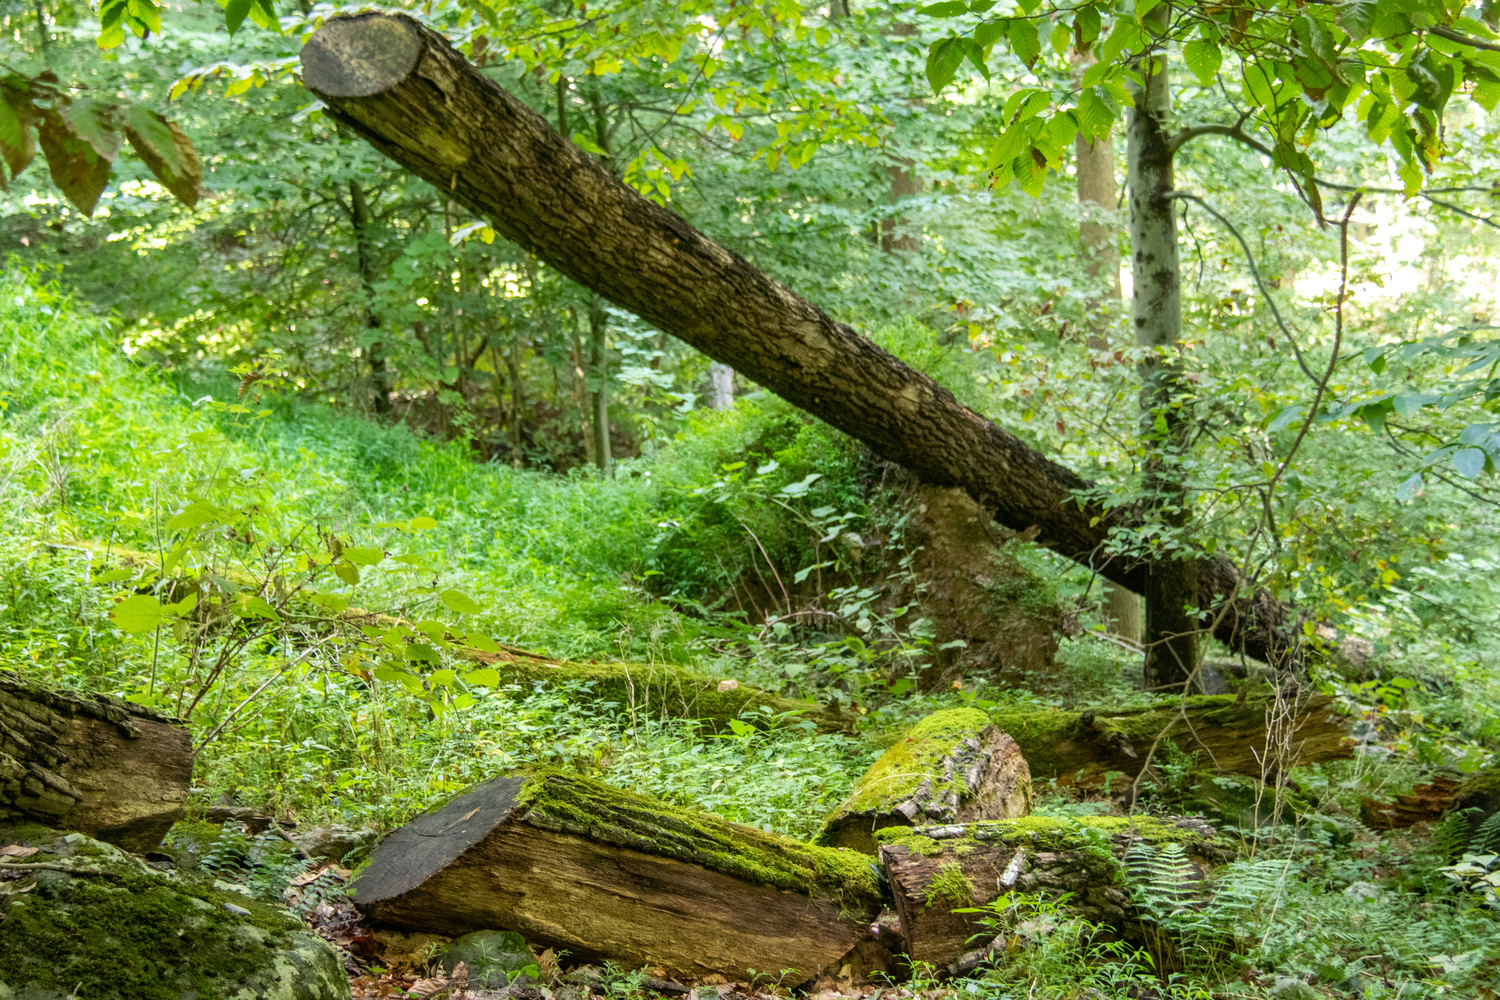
{"x": 335, "y": 843}
{"x": 496, "y": 959}
{"x": 101, "y": 922}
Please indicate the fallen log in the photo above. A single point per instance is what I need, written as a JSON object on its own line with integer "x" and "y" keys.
{"x": 405, "y": 89}
{"x": 572, "y": 863}
{"x": 1223, "y": 733}
{"x": 104, "y": 767}
{"x": 935, "y": 871}
{"x": 952, "y": 767}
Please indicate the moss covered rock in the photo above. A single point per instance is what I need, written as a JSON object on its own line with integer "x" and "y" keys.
{"x": 99, "y": 924}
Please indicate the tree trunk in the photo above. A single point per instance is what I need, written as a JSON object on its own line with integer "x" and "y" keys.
{"x": 380, "y": 376}
{"x": 721, "y": 376}
{"x": 1172, "y": 626}
{"x": 405, "y": 89}
{"x": 904, "y": 183}
{"x": 953, "y": 767}
{"x": 572, "y": 863}
{"x": 115, "y": 771}
{"x": 1224, "y": 735}
{"x": 599, "y": 375}
{"x": 1123, "y": 610}
{"x": 935, "y": 870}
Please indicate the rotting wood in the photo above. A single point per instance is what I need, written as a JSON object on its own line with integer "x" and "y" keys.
{"x": 1223, "y": 733}
{"x": 952, "y": 767}
{"x": 936, "y": 870}
{"x": 572, "y": 863}
{"x": 115, "y": 771}
{"x": 406, "y": 90}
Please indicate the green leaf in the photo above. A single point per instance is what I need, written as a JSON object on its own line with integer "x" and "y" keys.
{"x": 346, "y": 571}
{"x": 421, "y": 524}
{"x": 195, "y": 515}
{"x": 365, "y": 556}
{"x": 949, "y": 8}
{"x": 76, "y": 166}
{"x": 1286, "y": 418}
{"x": 943, "y": 59}
{"x": 167, "y": 152}
{"x": 460, "y": 602}
{"x": 1024, "y": 41}
{"x": 138, "y": 613}
{"x": 483, "y": 677}
{"x": 1409, "y": 489}
{"x": 258, "y": 607}
{"x": 234, "y": 14}
{"x": 17, "y": 140}
{"x": 1096, "y": 113}
{"x": 1469, "y": 462}
{"x": 421, "y": 652}
{"x": 741, "y": 729}
{"x": 1356, "y": 18}
{"x": 1203, "y": 59}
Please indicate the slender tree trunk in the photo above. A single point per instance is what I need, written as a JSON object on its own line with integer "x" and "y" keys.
{"x": 379, "y": 374}
{"x": 722, "y": 377}
{"x": 404, "y": 88}
{"x": 904, "y": 183}
{"x": 599, "y": 375}
{"x": 1171, "y": 591}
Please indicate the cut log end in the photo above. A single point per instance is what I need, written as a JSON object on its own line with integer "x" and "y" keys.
{"x": 360, "y": 56}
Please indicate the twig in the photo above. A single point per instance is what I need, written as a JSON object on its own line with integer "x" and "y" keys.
{"x": 45, "y": 866}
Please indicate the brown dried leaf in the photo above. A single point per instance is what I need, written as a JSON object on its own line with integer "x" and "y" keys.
{"x": 547, "y": 962}
{"x": 76, "y": 166}
{"x": 169, "y": 153}
{"x": 459, "y": 981}
{"x": 424, "y": 988}
{"x": 17, "y": 851}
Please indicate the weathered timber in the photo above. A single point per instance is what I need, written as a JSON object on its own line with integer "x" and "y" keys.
{"x": 1426, "y": 804}
{"x": 572, "y": 863}
{"x": 1221, "y": 732}
{"x": 405, "y": 89}
{"x": 936, "y": 870}
{"x": 952, "y": 767}
{"x": 115, "y": 771}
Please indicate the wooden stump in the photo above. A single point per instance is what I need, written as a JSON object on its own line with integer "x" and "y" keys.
{"x": 953, "y": 767}
{"x": 935, "y": 870}
{"x": 115, "y": 771}
{"x": 572, "y": 863}
{"x": 1223, "y": 732}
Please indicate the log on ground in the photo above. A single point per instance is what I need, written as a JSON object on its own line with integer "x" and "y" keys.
{"x": 115, "y": 771}
{"x": 572, "y": 863}
{"x": 952, "y": 767}
{"x": 934, "y": 871}
{"x": 1221, "y": 732}
{"x": 405, "y": 89}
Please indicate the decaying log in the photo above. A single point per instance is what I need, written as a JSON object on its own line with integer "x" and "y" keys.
{"x": 115, "y": 771}
{"x": 1426, "y": 804}
{"x": 404, "y": 88}
{"x": 571, "y": 863}
{"x": 1224, "y": 735}
{"x": 952, "y": 767}
{"x": 935, "y": 870}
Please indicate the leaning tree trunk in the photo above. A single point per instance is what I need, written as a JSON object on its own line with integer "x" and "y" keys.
{"x": 1171, "y": 594}
{"x": 405, "y": 89}
{"x": 572, "y": 863}
{"x": 953, "y": 767}
{"x": 115, "y": 771}
{"x": 934, "y": 871}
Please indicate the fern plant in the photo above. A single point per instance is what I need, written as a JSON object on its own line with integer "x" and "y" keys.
{"x": 1168, "y": 894}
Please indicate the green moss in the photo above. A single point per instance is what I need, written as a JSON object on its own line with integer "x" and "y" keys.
{"x": 665, "y": 689}
{"x": 563, "y": 801}
{"x": 1048, "y": 833}
{"x": 135, "y": 934}
{"x": 902, "y": 768}
{"x": 951, "y": 886}
{"x": 1480, "y": 789}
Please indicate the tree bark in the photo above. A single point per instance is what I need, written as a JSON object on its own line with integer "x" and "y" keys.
{"x": 572, "y": 863}
{"x": 1171, "y": 596}
{"x": 380, "y": 376}
{"x": 599, "y": 374}
{"x": 1224, "y": 735}
{"x": 115, "y": 771}
{"x": 935, "y": 870}
{"x": 405, "y": 89}
{"x": 721, "y": 376}
{"x": 953, "y": 767}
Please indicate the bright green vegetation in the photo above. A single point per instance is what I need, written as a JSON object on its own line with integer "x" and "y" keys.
{"x": 912, "y": 759}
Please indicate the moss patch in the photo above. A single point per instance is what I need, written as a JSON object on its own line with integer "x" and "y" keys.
{"x": 562, "y": 801}
{"x": 136, "y": 934}
{"x": 950, "y": 886}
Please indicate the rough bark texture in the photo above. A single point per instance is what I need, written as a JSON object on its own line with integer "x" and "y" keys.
{"x": 571, "y": 863}
{"x": 405, "y": 89}
{"x": 1222, "y": 733}
{"x": 1426, "y": 804}
{"x": 721, "y": 378}
{"x": 935, "y": 870}
{"x": 953, "y": 767}
{"x": 112, "y": 770}
{"x": 1171, "y": 593}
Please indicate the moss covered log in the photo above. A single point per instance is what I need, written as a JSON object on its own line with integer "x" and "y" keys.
{"x": 936, "y": 870}
{"x": 113, "y": 770}
{"x": 573, "y": 863}
{"x": 952, "y": 767}
{"x": 1222, "y": 732}
{"x": 97, "y": 922}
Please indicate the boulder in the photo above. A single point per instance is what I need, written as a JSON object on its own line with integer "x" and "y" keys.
{"x": 81, "y": 918}
{"x": 494, "y": 959}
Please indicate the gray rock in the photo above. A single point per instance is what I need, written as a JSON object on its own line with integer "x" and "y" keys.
{"x": 1287, "y": 988}
{"x": 496, "y": 959}
{"x": 334, "y": 843}
{"x": 120, "y": 927}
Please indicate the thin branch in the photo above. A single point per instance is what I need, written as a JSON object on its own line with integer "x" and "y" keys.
{"x": 1462, "y": 39}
